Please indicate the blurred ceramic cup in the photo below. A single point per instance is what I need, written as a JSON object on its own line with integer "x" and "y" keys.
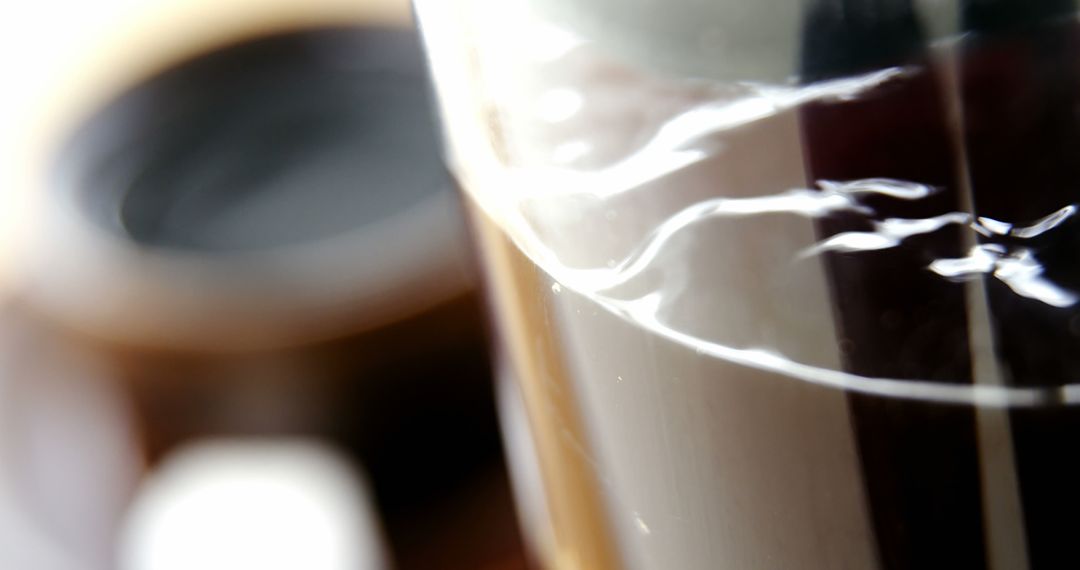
{"x": 261, "y": 240}
{"x": 237, "y": 214}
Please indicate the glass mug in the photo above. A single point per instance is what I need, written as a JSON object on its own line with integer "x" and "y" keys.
{"x": 784, "y": 284}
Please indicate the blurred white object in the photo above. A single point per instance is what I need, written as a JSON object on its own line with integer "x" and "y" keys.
{"x": 232, "y": 504}
{"x": 68, "y": 457}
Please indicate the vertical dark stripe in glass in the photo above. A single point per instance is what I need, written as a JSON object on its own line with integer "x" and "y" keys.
{"x": 1020, "y": 86}
{"x": 895, "y": 318}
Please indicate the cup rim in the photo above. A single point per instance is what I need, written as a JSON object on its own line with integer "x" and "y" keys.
{"x": 86, "y": 276}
